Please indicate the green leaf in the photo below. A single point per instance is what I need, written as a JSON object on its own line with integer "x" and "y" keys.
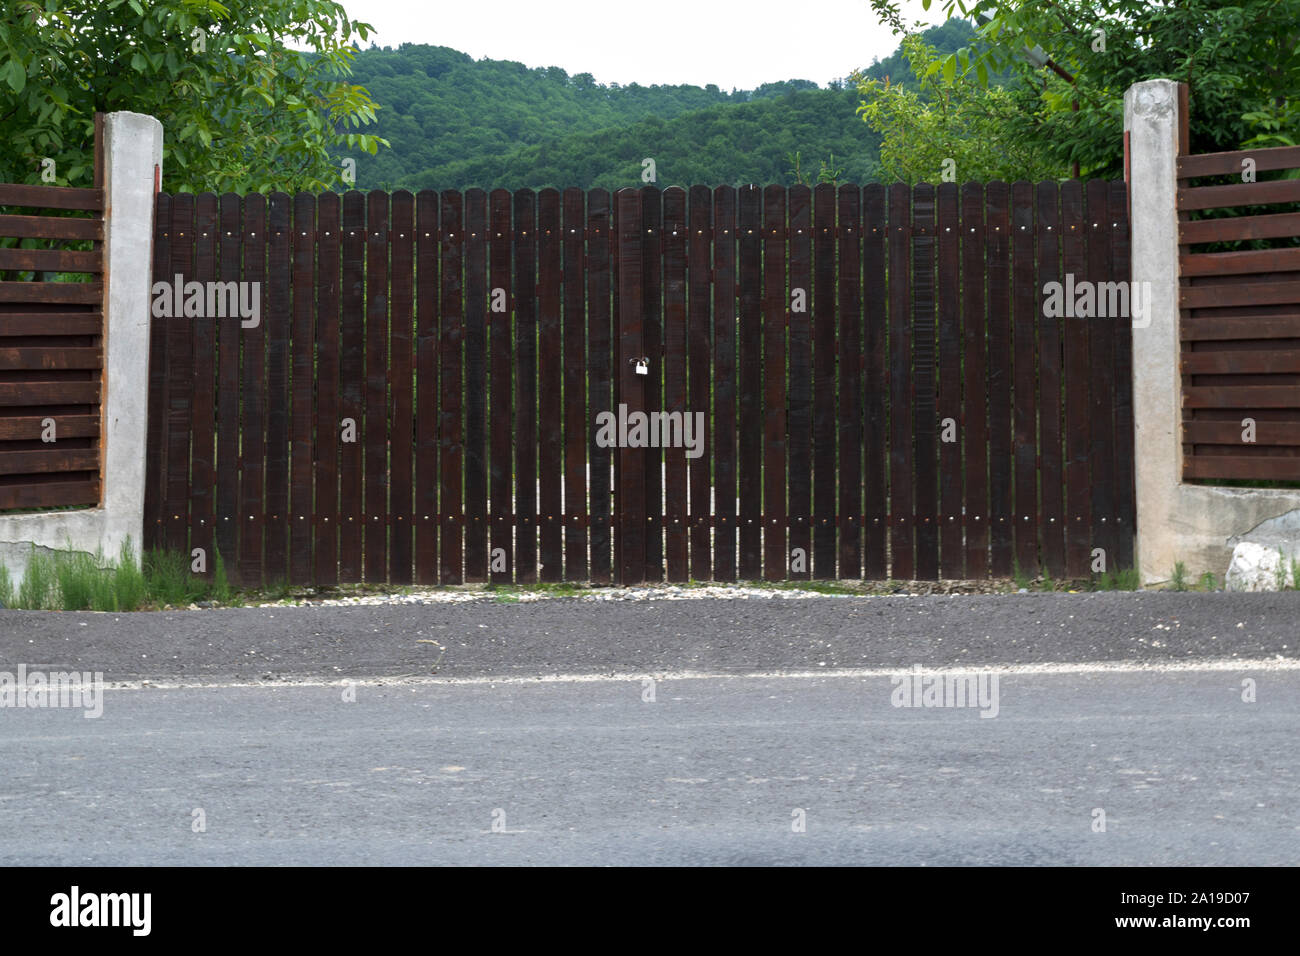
{"x": 949, "y": 70}
{"x": 17, "y": 76}
{"x": 139, "y": 63}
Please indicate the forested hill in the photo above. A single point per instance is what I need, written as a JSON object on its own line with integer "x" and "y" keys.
{"x": 455, "y": 122}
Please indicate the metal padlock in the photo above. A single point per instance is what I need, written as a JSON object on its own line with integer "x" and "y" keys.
{"x": 642, "y": 366}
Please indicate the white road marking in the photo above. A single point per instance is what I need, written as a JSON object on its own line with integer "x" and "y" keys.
{"x": 1097, "y": 667}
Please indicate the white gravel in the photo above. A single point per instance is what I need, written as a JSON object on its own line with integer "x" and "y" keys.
{"x": 649, "y": 593}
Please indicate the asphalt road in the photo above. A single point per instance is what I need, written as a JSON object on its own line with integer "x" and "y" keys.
{"x": 567, "y": 636}
{"x": 764, "y": 714}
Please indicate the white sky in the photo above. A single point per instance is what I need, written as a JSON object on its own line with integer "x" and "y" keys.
{"x": 733, "y": 43}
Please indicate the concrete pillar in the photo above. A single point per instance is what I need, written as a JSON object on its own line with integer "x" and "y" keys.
{"x": 133, "y": 146}
{"x": 1195, "y": 524}
{"x": 132, "y": 150}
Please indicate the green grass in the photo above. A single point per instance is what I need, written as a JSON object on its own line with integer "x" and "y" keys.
{"x": 1208, "y": 582}
{"x": 76, "y": 581}
{"x": 7, "y": 597}
{"x": 1179, "y": 580}
{"x": 1122, "y": 579}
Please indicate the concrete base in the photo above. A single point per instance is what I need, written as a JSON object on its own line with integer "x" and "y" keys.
{"x": 1199, "y": 525}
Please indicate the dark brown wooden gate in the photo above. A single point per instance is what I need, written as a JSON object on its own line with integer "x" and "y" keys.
{"x": 881, "y": 391}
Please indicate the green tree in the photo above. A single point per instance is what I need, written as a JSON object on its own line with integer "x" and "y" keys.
{"x": 949, "y": 129}
{"x": 1240, "y": 59}
{"x": 251, "y": 96}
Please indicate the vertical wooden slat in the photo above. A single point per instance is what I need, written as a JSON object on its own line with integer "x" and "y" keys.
{"x": 1024, "y": 296}
{"x": 901, "y": 479}
{"x": 203, "y": 411}
{"x": 616, "y": 360}
{"x": 674, "y": 379}
{"x": 226, "y": 519}
{"x": 600, "y": 396}
{"x": 98, "y": 171}
{"x": 251, "y": 435}
{"x": 450, "y": 436}
{"x": 997, "y": 231}
{"x": 724, "y": 383}
{"x": 351, "y": 387}
{"x": 180, "y": 381}
{"x": 550, "y": 383}
{"x": 1078, "y": 509}
{"x": 800, "y": 422}
{"x": 301, "y": 507}
{"x": 699, "y": 332}
{"x": 948, "y": 285}
{"x": 402, "y": 388}
{"x": 326, "y": 447}
{"x": 278, "y": 323}
{"x": 1120, "y": 269}
{"x": 652, "y": 346}
{"x": 525, "y": 297}
{"x": 1052, "y": 517}
{"x": 476, "y": 474}
{"x": 428, "y": 300}
{"x": 975, "y": 385}
{"x": 875, "y": 508}
{"x": 751, "y": 383}
{"x": 850, "y": 391}
{"x": 501, "y": 351}
{"x": 575, "y": 397}
{"x": 924, "y": 406}
{"x": 156, "y": 430}
{"x": 825, "y": 488}
{"x": 376, "y": 432}
{"x": 629, "y": 539}
{"x": 776, "y": 560}
{"x": 1101, "y": 378}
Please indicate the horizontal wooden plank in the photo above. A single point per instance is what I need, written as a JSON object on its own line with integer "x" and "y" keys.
{"x": 1239, "y": 194}
{"x": 49, "y": 393}
{"x": 1239, "y": 327}
{"x": 47, "y": 462}
{"x": 32, "y": 427}
{"x": 1212, "y": 296}
{"x": 1273, "y": 226}
{"x": 51, "y": 323}
{"x": 1241, "y": 467}
{"x": 51, "y": 227}
{"x": 1272, "y": 362}
{"x": 1223, "y": 164}
{"x": 23, "y": 359}
{"x": 1241, "y": 396}
{"x": 53, "y": 260}
{"x": 57, "y": 494}
{"x": 1230, "y": 433}
{"x": 53, "y": 293}
{"x": 1240, "y": 263}
{"x": 51, "y": 197}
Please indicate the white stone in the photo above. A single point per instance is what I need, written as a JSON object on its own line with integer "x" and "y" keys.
{"x": 1256, "y": 567}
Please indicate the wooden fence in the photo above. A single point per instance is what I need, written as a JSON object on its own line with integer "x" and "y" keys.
{"x": 1240, "y": 316}
{"x": 51, "y": 343}
{"x": 881, "y": 391}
